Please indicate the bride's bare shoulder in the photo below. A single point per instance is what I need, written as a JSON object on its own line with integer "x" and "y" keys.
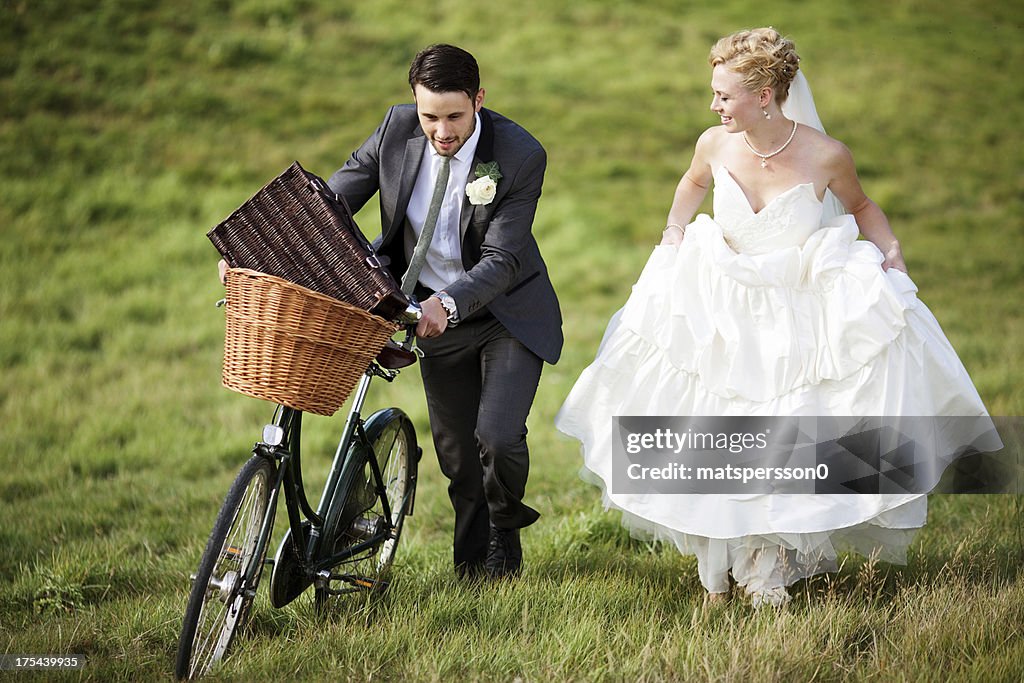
{"x": 710, "y": 144}
{"x": 822, "y": 145}
{"x": 713, "y": 136}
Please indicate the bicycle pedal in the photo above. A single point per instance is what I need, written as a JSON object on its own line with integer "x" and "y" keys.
{"x": 365, "y": 584}
{"x": 360, "y": 582}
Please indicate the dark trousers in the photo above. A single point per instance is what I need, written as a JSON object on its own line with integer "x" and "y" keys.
{"x": 480, "y": 383}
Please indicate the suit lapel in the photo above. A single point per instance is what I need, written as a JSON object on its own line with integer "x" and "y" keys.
{"x": 484, "y": 154}
{"x": 414, "y": 149}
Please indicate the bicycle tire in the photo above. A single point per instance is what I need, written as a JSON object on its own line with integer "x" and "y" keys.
{"x": 392, "y": 438}
{"x": 218, "y": 605}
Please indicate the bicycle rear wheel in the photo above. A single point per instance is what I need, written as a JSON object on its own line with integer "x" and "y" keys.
{"x": 392, "y": 441}
{"x": 220, "y": 599}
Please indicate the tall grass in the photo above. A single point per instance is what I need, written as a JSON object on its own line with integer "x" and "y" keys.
{"x": 128, "y": 128}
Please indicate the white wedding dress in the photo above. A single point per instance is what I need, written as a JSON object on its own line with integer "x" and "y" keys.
{"x": 767, "y": 313}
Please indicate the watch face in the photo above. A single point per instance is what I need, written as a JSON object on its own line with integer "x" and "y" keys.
{"x": 448, "y": 304}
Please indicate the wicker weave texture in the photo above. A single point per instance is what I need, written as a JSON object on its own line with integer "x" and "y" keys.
{"x": 297, "y": 229}
{"x": 290, "y": 345}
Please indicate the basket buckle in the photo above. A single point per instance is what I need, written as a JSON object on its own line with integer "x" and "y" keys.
{"x": 377, "y": 262}
{"x": 324, "y": 190}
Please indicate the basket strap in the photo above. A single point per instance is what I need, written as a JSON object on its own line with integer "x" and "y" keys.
{"x": 374, "y": 260}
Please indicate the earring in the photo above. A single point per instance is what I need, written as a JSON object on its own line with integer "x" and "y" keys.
{"x": 766, "y": 114}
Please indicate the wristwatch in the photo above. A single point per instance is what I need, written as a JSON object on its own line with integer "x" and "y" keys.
{"x": 448, "y": 304}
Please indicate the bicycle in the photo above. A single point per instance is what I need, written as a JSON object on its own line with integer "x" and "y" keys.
{"x": 369, "y": 492}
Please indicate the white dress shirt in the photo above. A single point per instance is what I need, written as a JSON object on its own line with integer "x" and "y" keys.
{"x": 444, "y": 257}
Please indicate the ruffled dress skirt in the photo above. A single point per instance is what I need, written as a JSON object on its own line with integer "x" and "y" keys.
{"x": 809, "y": 329}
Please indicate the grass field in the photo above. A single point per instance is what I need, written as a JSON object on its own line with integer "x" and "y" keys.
{"x": 128, "y": 128}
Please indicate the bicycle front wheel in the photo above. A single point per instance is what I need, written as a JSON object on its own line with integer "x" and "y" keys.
{"x": 220, "y": 599}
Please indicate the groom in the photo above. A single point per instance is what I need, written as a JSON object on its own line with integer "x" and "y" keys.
{"x": 458, "y": 188}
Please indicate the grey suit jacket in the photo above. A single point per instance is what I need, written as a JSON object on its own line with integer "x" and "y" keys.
{"x": 504, "y": 268}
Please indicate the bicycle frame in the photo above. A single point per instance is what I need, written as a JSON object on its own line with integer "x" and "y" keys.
{"x": 357, "y": 522}
{"x": 281, "y": 443}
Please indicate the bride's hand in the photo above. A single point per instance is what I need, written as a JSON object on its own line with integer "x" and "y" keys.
{"x": 672, "y": 235}
{"x": 894, "y": 257}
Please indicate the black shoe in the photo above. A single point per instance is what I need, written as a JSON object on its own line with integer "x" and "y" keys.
{"x": 470, "y": 571}
{"x": 504, "y": 553}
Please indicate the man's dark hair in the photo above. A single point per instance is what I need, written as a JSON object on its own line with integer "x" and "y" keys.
{"x": 445, "y": 68}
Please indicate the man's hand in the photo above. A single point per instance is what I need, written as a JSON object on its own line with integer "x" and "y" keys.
{"x": 222, "y": 269}
{"x": 434, "y": 320}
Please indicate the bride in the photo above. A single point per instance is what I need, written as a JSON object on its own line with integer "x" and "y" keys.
{"x": 771, "y": 308}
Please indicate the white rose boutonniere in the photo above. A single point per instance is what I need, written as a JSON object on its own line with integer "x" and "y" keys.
{"x": 482, "y": 190}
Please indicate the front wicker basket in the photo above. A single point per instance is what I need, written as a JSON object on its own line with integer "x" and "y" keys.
{"x": 290, "y": 345}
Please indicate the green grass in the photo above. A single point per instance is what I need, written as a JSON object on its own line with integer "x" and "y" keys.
{"x": 129, "y": 128}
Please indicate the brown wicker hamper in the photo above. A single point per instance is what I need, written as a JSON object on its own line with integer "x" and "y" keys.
{"x": 297, "y": 229}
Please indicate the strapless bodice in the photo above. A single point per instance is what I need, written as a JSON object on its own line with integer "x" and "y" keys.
{"x": 786, "y": 221}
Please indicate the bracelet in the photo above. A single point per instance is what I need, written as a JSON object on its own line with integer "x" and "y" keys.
{"x": 680, "y": 228}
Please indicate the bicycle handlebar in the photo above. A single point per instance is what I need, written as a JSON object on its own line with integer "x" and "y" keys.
{"x": 412, "y": 314}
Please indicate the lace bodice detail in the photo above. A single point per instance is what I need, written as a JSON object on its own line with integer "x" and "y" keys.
{"x": 786, "y": 221}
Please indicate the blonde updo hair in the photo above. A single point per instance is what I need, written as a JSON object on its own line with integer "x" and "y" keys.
{"x": 762, "y": 57}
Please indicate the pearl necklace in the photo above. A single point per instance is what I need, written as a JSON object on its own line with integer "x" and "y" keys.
{"x": 766, "y": 157}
